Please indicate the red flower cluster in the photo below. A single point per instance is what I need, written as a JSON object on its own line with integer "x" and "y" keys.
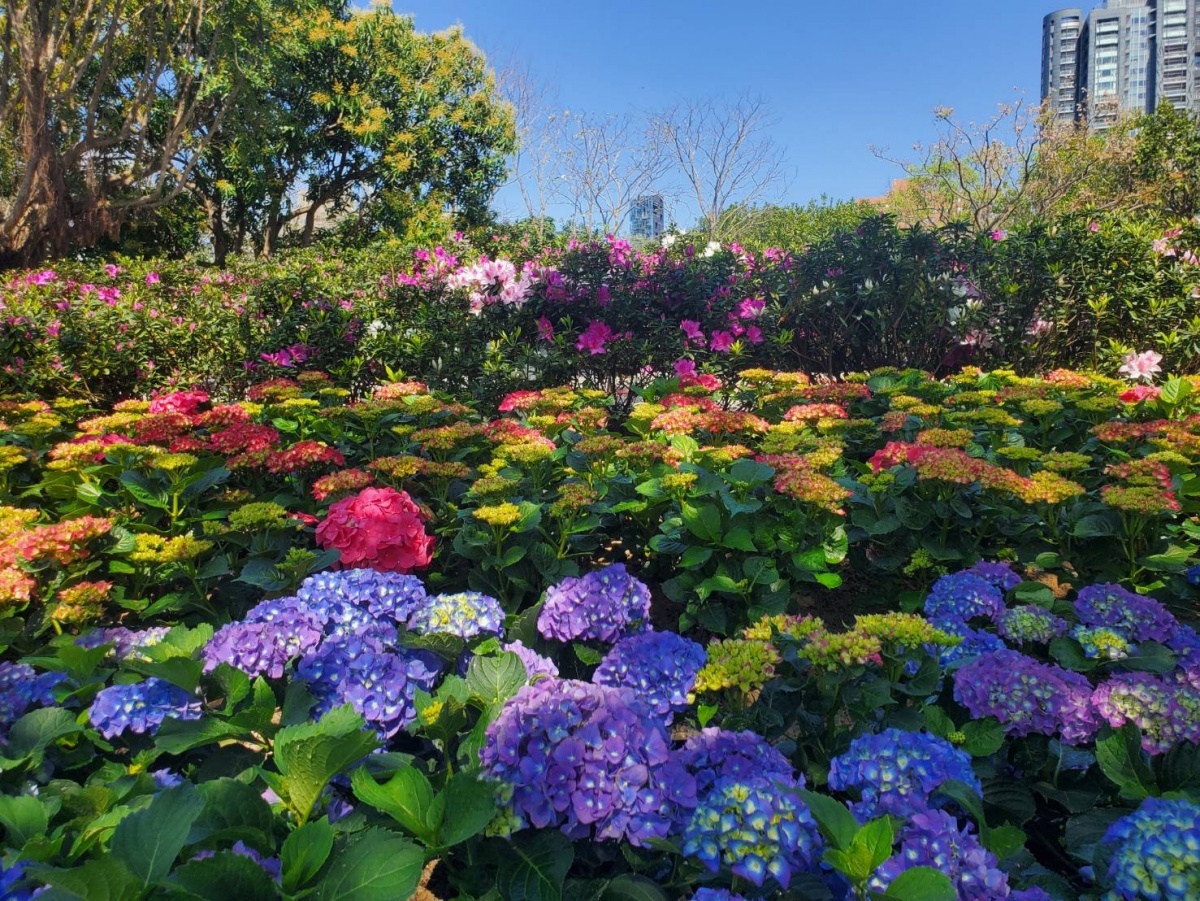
{"x": 63, "y": 542}
{"x": 378, "y": 528}
{"x": 303, "y": 455}
{"x": 796, "y": 478}
{"x": 244, "y": 436}
{"x": 809, "y": 412}
{"x": 949, "y": 464}
{"x": 341, "y": 482}
{"x": 186, "y": 402}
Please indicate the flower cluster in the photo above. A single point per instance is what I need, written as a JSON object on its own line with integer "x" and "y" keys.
{"x": 961, "y": 597}
{"x": 714, "y": 754}
{"x": 535, "y": 664}
{"x": 898, "y": 772}
{"x": 756, "y": 826}
{"x": 1101, "y": 642}
{"x": 22, "y": 688}
{"x": 735, "y": 664}
{"x": 465, "y": 614}
{"x": 586, "y": 758}
{"x": 380, "y": 528}
{"x": 1027, "y": 696}
{"x": 1030, "y": 624}
{"x": 126, "y": 643}
{"x": 270, "y": 636}
{"x": 1155, "y": 852}
{"x": 1134, "y": 615}
{"x": 1001, "y": 575}
{"x": 1166, "y": 712}
{"x": 660, "y": 666}
{"x": 600, "y": 606}
{"x": 343, "y": 597}
{"x": 141, "y": 707}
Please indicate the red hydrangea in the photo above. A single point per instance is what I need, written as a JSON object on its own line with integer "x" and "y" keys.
{"x": 378, "y": 528}
{"x": 186, "y": 402}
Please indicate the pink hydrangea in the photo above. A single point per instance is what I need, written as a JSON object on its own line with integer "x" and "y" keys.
{"x": 186, "y": 402}
{"x": 378, "y": 528}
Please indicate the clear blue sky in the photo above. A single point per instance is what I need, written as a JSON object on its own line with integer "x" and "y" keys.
{"x": 839, "y": 75}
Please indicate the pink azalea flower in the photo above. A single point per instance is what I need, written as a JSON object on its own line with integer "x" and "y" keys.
{"x": 691, "y": 330}
{"x": 594, "y": 337}
{"x": 1093, "y": 226}
{"x": 152, "y": 278}
{"x": 545, "y": 329}
{"x": 721, "y": 341}
{"x": 750, "y": 308}
{"x": 754, "y": 334}
{"x": 685, "y": 367}
{"x": 1137, "y": 366}
{"x": 999, "y": 234}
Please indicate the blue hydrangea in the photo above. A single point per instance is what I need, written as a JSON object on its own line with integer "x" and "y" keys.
{"x": 21, "y": 688}
{"x": 165, "y": 778}
{"x": 898, "y": 772}
{"x": 587, "y": 759}
{"x": 660, "y": 666}
{"x": 1155, "y": 853}
{"x": 1027, "y": 696}
{"x": 1102, "y": 643}
{"x": 386, "y": 596}
{"x": 126, "y": 642}
{"x": 714, "y": 754}
{"x": 1030, "y": 624}
{"x": 757, "y": 827}
{"x": 141, "y": 707}
{"x": 599, "y": 606}
{"x": 716, "y": 894}
{"x": 974, "y": 643}
{"x": 1193, "y": 574}
{"x": 14, "y": 885}
{"x": 465, "y": 615}
{"x": 272, "y": 865}
{"x": 962, "y": 597}
{"x": 1001, "y": 575}
{"x": 1139, "y": 617}
{"x": 282, "y": 632}
{"x": 379, "y": 683}
{"x": 932, "y": 839}
{"x": 535, "y": 663}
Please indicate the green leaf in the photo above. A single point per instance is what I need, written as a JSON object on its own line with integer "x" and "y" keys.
{"x": 1122, "y": 760}
{"x": 984, "y": 737}
{"x": 104, "y": 879}
{"x": 533, "y": 866}
{"x": 921, "y": 884}
{"x": 470, "y": 804}
{"x": 704, "y": 521}
{"x": 142, "y": 490}
{"x": 695, "y": 556}
{"x": 23, "y": 817}
{"x": 309, "y": 755}
{"x": 224, "y": 877}
{"x": 378, "y": 866}
{"x": 493, "y": 680}
{"x": 407, "y": 798}
{"x": 586, "y": 655}
{"x": 33, "y": 733}
{"x": 1034, "y": 593}
{"x": 835, "y": 821}
{"x": 871, "y": 846}
{"x": 632, "y": 888}
{"x": 233, "y": 805}
{"x": 739, "y": 540}
{"x": 178, "y": 736}
{"x": 304, "y": 852}
{"x": 148, "y": 840}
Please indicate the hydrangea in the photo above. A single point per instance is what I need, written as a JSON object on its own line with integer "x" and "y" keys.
{"x": 1166, "y": 712}
{"x": 272, "y": 865}
{"x": 586, "y": 758}
{"x": 961, "y": 597}
{"x": 380, "y": 528}
{"x": 535, "y": 663}
{"x": 716, "y": 894}
{"x": 465, "y": 614}
{"x": 384, "y": 595}
{"x": 22, "y": 688}
{"x": 1155, "y": 852}
{"x": 380, "y": 684}
{"x": 1139, "y": 617}
{"x": 932, "y": 839}
{"x": 126, "y": 642}
{"x": 660, "y": 666}
{"x": 898, "y": 772}
{"x": 600, "y": 606}
{"x": 1030, "y": 624}
{"x": 1101, "y": 642}
{"x": 141, "y": 707}
{"x": 1027, "y": 696}
{"x": 264, "y": 646}
{"x": 13, "y": 883}
{"x": 974, "y": 643}
{"x": 1001, "y": 575}
{"x": 758, "y": 827}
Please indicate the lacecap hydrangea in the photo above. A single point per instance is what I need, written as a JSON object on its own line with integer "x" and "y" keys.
{"x": 601, "y": 606}
{"x": 1134, "y": 615}
{"x": 757, "y": 827}
{"x": 898, "y": 772}
{"x": 1154, "y": 853}
{"x": 588, "y": 759}
{"x": 660, "y": 666}
{"x": 141, "y": 707}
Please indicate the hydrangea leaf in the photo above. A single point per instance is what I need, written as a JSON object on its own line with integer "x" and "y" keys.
{"x": 493, "y": 680}
{"x": 103, "y": 879}
{"x": 408, "y": 798}
{"x": 304, "y": 852}
{"x": 226, "y": 876}
{"x": 534, "y": 866}
{"x": 33, "y": 733}
{"x": 1122, "y": 760}
{"x": 378, "y": 866}
{"x": 836, "y": 822}
{"x": 470, "y": 804}
{"x": 148, "y": 840}
{"x": 921, "y": 884}
{"x": 309, "y": 755}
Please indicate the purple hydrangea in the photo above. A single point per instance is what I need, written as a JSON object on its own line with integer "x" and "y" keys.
{"x": 898, "y": 772}
{"x": 660, "y": 666}
{"x": 272, "y": 865}
{"x": 1027, "y": 696}
{"x": 758, "y": 827}
{"x": 380, "y": 684}
{"x": 1001, "y": 575}
{"x": 535, "y": 663}
{"x": 141, "y": 707}
{"x": 22, "y": 688}
{"x": 587, "y": 759}
{"x": 388, "y": 596}
{"x": 281, "y": 633}
{"x": 600, "y": 606}
{"x": 1166, "y": 711}
{"x": 963, "y": 596}
{"x": 1155, "y": 852}
{"x": 126, "y": 642}
{"x": 465, "y": 615}
{"x": 165, "y": 778}
{"x": 1139, "y": 617}
{"x": 714, "y": 754}
{"x": 1030, "y": 624}
{"x": 932, "y": 839}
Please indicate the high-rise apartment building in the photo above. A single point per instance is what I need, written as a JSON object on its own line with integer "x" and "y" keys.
{"x": 646, "y": 217}
{"x": 1122, "y": 56}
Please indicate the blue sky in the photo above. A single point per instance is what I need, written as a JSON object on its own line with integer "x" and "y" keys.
{"x": 839, "y": 75}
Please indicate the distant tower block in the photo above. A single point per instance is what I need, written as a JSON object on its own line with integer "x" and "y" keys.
{"x": 646, "y": 217}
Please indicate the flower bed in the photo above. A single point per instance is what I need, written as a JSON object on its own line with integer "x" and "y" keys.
{"x": 301, "y": 645}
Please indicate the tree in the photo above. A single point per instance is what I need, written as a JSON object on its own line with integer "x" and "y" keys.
{"x": 725, "y": 155}
{"x": 794, "y": 226}
{"x": 1167, "y": 160}
{"x": 105, "y": 108}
